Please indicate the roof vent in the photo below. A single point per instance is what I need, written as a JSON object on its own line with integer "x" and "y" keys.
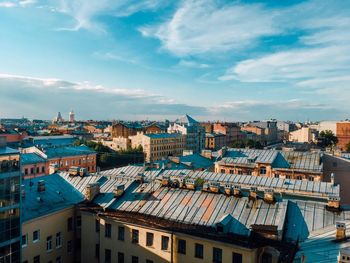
{"x": 253, "y": 193}
{"x": 118, "y": 190}
{"x": 237, "y": 190}
{"x": 41, "y": 186}
{"x": 268, "y": 195}
{"x": 228, "y": 189}
{"x": 333, "y": 202}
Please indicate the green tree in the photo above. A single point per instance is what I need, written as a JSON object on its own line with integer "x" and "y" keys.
{"x": 327, "y": 138}
{"x": 347, "y": 147}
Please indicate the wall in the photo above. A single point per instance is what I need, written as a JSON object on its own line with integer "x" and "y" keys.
{"x": 49, "y": 225}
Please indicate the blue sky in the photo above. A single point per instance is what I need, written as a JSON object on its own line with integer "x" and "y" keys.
{"x": 156, "y": 59}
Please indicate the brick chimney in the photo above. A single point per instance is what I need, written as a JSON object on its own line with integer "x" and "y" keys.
{"x": 340, "y": 230}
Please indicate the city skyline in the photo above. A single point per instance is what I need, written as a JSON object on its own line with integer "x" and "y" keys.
{"x": 234, "y": 61}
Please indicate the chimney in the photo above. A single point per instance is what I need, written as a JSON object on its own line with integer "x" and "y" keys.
{"x": 53, "y": 168}
{"x": 2, "y": 141}
{"x": 340, "y": 233}
{"x": 118, "y": 190}
{"x": 333, "y": 202}
{"x": 228, "y": 189}
{"x": 214, "y": 187}
{"x": 41, "y": 186}
{"x": 91, "y": 191}
{"x": 237, "y": 190}
{"x": 268, "y": 195}
{"x": 332, "y": 178}
{"x": 253, "y": 193}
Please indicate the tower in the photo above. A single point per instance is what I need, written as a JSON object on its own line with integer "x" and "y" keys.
{"x": 71, "y": 116}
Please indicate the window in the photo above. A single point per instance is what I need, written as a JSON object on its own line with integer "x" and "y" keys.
{"x": 334, "y": 164}
{"x": 262, "y": 170}
{"x": 58, "y": 240}
{"x": 181, "y": 246}
{"x": 149, "y": 261}
{"x": 222, "y": 171}
{"x": 231, "y": 171}
{"x": 97, "y": 225}
{"x": 240, "y": 172}
{"x": 69, "y": 247}
{"x": 277, "y": 176}
{"x": 108, "y": 230}
{"x": 36, "y": 236}
{"x": 49, "y": 243}
{"x": 299, "y": 177}
{"x": 198, "y": 250}
{"x": 58, "y": 260}
{"x": 288, "y": 176}
{"x": 38, "y": 170}
{"x": 24, "y": 240}
{"x": 97, "y": 250}
{"x": 70, "y": 224}
{"x": 36, "y": 259}
{"x": 43, "y": 169}
{"x": 134, "y": 259}
{"x": 32, "y": 170}
{"x": 311, "y": 178}
{"x": 249, "y": 172}
{"x": 217, "y": 255}
{"x": 149, "y": 239}
{"x": 78, "y": 223}
{"x": 121, "y": 233}
{"x": 108, "y": 256}
{"x": 165, "y": 243}
{"x": 135, "y": 236}
{"x": 236, "y": 258}
{"x": 120, "y": 257}
{"x": 26, "y": 171}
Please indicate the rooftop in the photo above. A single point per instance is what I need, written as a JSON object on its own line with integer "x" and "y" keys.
{"x": 163, "y": 135}
{"x": 54, "y": 152}
{"x": 31, "y": 158}
{"x": 58, "y": 195}
{"x": 8, "y": 150}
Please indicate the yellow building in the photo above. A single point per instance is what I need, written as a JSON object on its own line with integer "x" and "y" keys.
{"x": 159, "y": 145}
{"x": 49, "y": 222}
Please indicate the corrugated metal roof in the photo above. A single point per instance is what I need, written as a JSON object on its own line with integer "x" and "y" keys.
{"x": 68, "y": 151}
{"x": 31, "y": 158}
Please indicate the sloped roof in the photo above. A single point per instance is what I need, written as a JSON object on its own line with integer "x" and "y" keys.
{"x": 186, "y": 120}
{"x": 67, "y": 151}
{"x": 31, "y": 158}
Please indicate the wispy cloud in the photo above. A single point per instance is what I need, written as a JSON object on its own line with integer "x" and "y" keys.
{"x": 200, "y": 26}
{"x": 192, "y": 64}
{"x": 32, "y": 95}
{"x": 85, "y": 13}
{"x": 16, "y": 3}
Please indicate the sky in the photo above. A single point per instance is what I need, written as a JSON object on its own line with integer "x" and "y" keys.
{"x": 159, "y": 59}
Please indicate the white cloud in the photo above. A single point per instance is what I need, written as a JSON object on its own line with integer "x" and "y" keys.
{"x": 85, "y": 12}
{"x": 192, "y": 64}
{"x": 200, "y": 26}
{"x": 20, "y": 3}
{"x": 7, "y": 4}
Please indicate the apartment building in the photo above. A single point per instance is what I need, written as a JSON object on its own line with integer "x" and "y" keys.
{"x": 343, "y": 134}
{"x": 126, "y": 129}
{"x": 10, "y": 205}
{"x": 194, "y": 132}
{"x": 33, "y": 165}
{"x": 265, "y": 131}
{"x": 49, "y": 221}
{"x": 159, "y": 145}
{"x": 65, "y": 157}
{"x": 271, "y": 163}
{"x": 215, "y": 141}
{"x": 231, "y": 130}
{"x": 167, "y": 217}
{"x": 302, "y": 135}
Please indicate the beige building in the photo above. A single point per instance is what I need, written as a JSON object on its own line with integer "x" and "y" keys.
{"x": 159, "y": 145}
{"x": 155, "y": 220}
{"x": 271, "y": 163}
{"x": 303, "y": 135}
{"x": 49, "y": 221}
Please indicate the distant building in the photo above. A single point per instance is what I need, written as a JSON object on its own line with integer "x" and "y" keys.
{"x": 10, "y": 204}
{"x": 290, "y": 164}
{"x": 266, "y": 131}
{"x": 159, "y": 145}
{"x": 215, "y": 141}
{"x": 50, "y": 224}
{"x": 58, "y": 118}
{"x": 303, "y": 135}
{"x": 33, "y": 165}
{"x": 126, "y": 129}
{"x": 343, "y": 134}
{"x": 192, "y": 130}
{"x": 231, "y": 131}
{"x": 71, "y": 116}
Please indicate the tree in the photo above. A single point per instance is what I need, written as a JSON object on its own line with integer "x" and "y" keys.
{"x": 327, "y": 138}
{"x": 347, "y": 147}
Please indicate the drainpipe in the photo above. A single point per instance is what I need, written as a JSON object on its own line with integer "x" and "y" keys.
{"x": 172, "y": 248}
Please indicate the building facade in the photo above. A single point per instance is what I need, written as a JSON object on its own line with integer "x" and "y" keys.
{"x": 215, "y": 141}
{"x": 302, "y": 135}
{"x": 10, "y": 204}
{"x": 231, "y": 130}
{"x": 343, "y": 134}
{"x": 194, "y": 132}
{"x": 159, "y": 145}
